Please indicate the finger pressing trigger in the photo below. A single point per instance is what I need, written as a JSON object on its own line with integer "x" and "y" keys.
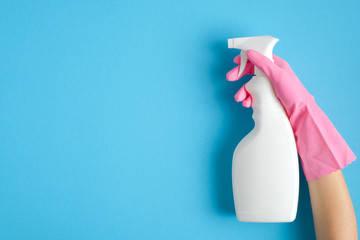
{"x": 232, "y": 75}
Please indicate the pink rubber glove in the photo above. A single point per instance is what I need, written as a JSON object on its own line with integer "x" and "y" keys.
{"x": 320, "y": 146}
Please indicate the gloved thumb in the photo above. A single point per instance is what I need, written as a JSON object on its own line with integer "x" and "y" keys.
{"x": 264, "y": 64}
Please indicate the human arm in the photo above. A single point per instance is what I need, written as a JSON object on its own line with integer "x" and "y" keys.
{"x": 333, "y": 212}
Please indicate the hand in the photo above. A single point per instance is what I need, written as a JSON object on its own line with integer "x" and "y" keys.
{"x": 287, "y": 86}
{"x": 320, "y": 145}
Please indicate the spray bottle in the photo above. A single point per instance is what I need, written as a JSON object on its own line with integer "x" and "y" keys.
{"x": 265, "y": 169}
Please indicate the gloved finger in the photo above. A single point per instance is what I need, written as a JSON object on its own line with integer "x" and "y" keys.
{"x": 237, "y": 59}
{"x": 247, "y": 102}
{"x": 281, "y": 62}
{"x": 232, "y": 75}
{"x": 264, "y": 64}
{"x": 241, "y": 94}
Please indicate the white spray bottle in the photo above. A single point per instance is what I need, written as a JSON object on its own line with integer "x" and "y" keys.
{"x": 265, "y": 170}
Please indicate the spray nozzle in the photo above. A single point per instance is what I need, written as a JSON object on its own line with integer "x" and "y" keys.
{"x": 261, "y": 44}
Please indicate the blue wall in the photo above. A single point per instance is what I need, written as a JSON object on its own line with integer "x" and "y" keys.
{"x": 117, "y": 122}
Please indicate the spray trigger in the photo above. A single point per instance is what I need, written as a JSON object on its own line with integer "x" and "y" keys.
{"x": 261, "y": 44}
{"x": 243, "y": 62}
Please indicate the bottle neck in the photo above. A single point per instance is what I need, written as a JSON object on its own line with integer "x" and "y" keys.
{"x": 265, "y": 103}
{"x": 258, "y": 72}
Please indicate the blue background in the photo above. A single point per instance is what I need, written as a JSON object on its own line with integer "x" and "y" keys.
{"x": 116, "y": 120}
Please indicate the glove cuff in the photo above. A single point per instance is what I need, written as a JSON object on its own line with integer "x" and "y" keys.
{"x": 321, "y": 147}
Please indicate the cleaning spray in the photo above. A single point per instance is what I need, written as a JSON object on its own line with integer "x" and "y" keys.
{"x": 265, "y": 169}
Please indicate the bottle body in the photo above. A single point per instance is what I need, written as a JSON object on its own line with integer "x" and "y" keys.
{"x": 265, "y": 170}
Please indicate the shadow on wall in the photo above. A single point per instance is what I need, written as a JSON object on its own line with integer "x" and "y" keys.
{"x": 236, "y": 124}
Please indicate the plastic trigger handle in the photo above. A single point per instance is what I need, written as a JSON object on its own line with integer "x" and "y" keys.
{"x": 243, "y": 62}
